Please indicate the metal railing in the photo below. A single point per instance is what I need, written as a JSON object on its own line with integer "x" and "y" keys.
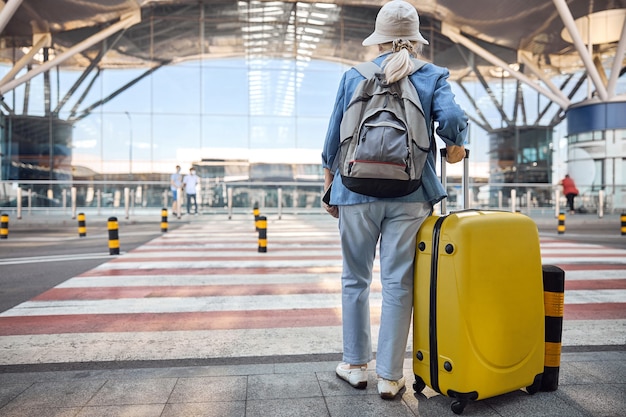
{"x": 215, "y": 196}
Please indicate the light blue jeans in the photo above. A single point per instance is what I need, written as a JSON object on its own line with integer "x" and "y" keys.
{"x": 360, "y": 227}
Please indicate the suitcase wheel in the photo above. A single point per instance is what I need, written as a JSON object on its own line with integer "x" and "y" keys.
{"x": 458, "y": 406}
{"x": 419, "y": 384}
{"x": 461, "y": 399}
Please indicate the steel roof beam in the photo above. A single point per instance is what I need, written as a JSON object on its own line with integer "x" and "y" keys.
{"x": 117, "y": 92}
{"x": 485, "y": 123}
{"x": 103, "y": 51}
{"x": 519, "y": 104}
{"x": 568, "y": 20}
{"x": 7, "y": 12}
{"x": 547, "y": 81}
{"x": 43, "y": 41}
{"x": 124, "y": 23}
{"x": 617, "y": 63}
{"x": 456, "y": 36}
{"x": 498, "y": 105}
{"x": 82, "y": 97}
{"x": 547, "y": 106}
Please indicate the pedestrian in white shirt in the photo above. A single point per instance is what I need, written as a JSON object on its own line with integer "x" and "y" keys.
{"x": 190, "y": 182}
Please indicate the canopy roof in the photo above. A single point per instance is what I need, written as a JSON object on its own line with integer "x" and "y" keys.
{"x": 529, "y": 40}
{"x": 173, "y": 30}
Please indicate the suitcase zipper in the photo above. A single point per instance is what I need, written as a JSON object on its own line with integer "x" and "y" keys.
{"x": 432, "y": 321}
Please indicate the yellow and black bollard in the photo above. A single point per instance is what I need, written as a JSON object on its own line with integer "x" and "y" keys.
{"x": 553, "y": 296}
{"x": 623, "y": 221}
{"x": 262, "y": 227}
{"x": 4, "y": 226}
{"x": 82, "y": 225}
{"x": 114, "y": 240}
{"x": 561, "y": 227}
{"x": 257, "y": 213}
{"x": 164, "y": 220}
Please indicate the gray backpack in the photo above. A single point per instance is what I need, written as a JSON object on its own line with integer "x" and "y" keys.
{"x": 384, "y": 137}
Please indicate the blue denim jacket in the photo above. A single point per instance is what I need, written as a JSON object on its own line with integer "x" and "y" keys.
{"x": 438, "y": 104}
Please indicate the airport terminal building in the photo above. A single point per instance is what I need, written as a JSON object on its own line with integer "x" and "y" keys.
{"x": 105, "y": 95}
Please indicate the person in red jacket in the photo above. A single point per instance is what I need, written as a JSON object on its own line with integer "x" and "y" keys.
{"x": 570, "y": 191}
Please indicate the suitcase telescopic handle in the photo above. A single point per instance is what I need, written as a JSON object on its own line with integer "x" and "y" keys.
{"x": 464, "y": 179}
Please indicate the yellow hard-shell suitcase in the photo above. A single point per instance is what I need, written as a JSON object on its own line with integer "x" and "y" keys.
{"x": 478, "y": 328}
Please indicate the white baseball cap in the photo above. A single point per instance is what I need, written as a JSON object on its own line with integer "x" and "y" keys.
{"x": 396, "y": 20}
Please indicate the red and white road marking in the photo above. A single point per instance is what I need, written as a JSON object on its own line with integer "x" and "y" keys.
{"x": 204, "y": 291}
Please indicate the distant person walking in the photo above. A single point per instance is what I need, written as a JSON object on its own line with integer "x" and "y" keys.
{"x": 570, "y": 191}
{"x": 176, "y": 183}
{"x": 191, "y": 181}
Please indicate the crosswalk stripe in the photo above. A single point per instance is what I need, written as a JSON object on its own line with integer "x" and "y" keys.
{"x": 157, "y": 280}
{"x": 204, "y": 281}
{"x": 149, "y": 304}
{"x": 198, "y": 320}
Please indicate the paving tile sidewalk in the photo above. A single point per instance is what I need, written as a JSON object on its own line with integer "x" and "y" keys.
{"x": 592, "y": 383}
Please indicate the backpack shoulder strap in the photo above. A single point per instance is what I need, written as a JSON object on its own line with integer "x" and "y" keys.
{"x": 367, "y": 69}
{"x": 417, "y": 64}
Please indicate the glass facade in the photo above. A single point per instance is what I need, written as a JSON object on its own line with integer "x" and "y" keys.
{"x": 520, "y": 154}
{"x": 179, "y": 114}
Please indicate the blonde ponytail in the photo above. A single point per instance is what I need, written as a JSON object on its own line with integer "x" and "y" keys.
{"x": 399, "y": 64}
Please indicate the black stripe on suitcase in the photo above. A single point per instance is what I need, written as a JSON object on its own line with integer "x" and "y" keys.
{"x": 463, "y": 397}
{"x": 432, "y": 323}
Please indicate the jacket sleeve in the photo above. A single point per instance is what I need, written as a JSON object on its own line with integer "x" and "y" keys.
{"x": 451, "y": 119}
{"x": 331, "y": 144}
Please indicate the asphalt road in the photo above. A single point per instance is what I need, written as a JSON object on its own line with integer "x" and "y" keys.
{"x": 35, "y": 258}
{"x": 586, "y": 229}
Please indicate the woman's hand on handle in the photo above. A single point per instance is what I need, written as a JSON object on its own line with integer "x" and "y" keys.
{"x": 455, "y": 153}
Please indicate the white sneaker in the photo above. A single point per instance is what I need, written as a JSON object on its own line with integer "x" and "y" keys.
{"x": 389, "y": 389}
{"x": 357, "y": 377}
